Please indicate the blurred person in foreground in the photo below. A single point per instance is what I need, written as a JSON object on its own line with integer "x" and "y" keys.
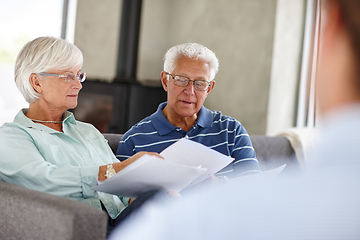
{"x": 188, "y": 78}
{"x": 45, "y": 148}
{"x": 321, "y": 204}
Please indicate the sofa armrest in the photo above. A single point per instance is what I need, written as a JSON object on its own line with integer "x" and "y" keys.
{"x": 29, "y": 214}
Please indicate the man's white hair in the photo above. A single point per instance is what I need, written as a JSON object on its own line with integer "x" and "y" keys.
{"x": 191, "y": 50}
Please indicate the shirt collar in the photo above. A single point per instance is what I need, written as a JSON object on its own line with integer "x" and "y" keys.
{"x": 21, "y": 118}
{"x": 163, "y": 126}
{"x": 205, "y": 118}
{"x": 159, "y": 121}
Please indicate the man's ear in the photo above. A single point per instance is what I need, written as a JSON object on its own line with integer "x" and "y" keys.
{"x": 212, "y": 85}
{"x": 35, "y": 82}
{"x": 164, "y": 80}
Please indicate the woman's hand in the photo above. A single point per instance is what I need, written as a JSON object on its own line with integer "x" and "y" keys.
{"x": 121, "y": 165}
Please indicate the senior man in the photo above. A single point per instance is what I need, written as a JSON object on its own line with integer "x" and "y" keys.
{"x": 188, "y": 78}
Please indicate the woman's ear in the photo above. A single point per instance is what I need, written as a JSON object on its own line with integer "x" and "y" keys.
{"x": 164, "y": 80}
{"x": 35, "y": 82}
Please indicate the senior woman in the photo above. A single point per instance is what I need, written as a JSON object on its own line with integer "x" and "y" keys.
{"x": 45, "y": 148}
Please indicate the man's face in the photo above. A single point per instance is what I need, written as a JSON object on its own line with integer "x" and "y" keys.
{"x": 57, "y": 93}
{"x": 186, "y": 101}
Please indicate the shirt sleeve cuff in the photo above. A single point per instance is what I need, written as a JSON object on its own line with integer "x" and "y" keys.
{"x": 89, "y": 178}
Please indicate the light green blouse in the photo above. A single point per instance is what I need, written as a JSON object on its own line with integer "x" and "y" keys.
{"x": 61, "y": 163}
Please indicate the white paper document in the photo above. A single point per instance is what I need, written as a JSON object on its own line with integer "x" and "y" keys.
{"x": 185, "y": 164}
{"x": 262, "y": 177}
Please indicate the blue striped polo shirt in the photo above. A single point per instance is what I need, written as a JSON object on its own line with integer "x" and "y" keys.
{"x": 221, "y": 133}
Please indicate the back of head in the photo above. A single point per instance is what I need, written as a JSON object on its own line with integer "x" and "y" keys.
{"x": 194, "y": 51}
{"x": 41, "y": 55}
{"x": 350, "y": 10}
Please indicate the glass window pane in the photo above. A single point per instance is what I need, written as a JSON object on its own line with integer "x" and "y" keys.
{"x": 20, "y": 22}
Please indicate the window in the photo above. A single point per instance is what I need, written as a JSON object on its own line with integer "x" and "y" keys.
{"x": 306, "y": 116}
{"x": 19, "y": 25}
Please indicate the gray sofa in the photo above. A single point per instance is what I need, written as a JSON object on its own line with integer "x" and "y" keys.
{"x": 28, "y": 214}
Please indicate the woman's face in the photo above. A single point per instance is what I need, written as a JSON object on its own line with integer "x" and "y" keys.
{"x": 59, "y": 93}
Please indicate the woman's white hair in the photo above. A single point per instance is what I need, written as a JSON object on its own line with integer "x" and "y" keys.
{"x": 191, "y": 50}
{"x": 41, "y": 55}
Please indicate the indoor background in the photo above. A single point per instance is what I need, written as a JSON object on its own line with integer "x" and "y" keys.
{"x": 263, "y": 47}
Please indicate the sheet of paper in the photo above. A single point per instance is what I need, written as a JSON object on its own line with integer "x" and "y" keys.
{"x": 195, "y": 154}
{"x": 185, "y": 164}
{"x": 265, "y": 176}
{"x": 150, "y": 172}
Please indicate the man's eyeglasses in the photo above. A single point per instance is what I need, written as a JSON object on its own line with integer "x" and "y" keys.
{"x": 69, "y": 77}
{"x": 181, "y": 81}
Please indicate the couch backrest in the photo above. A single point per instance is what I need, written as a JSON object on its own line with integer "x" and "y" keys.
{"x": 113, "y": 140}
{"x": 271, "y": 152}
{"x": 275, "y": 151}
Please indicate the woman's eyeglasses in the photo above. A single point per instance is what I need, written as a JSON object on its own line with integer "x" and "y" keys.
{"x": 69, "y": 77}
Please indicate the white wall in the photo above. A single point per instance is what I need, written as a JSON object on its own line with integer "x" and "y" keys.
{"x": 97, "y": 35}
